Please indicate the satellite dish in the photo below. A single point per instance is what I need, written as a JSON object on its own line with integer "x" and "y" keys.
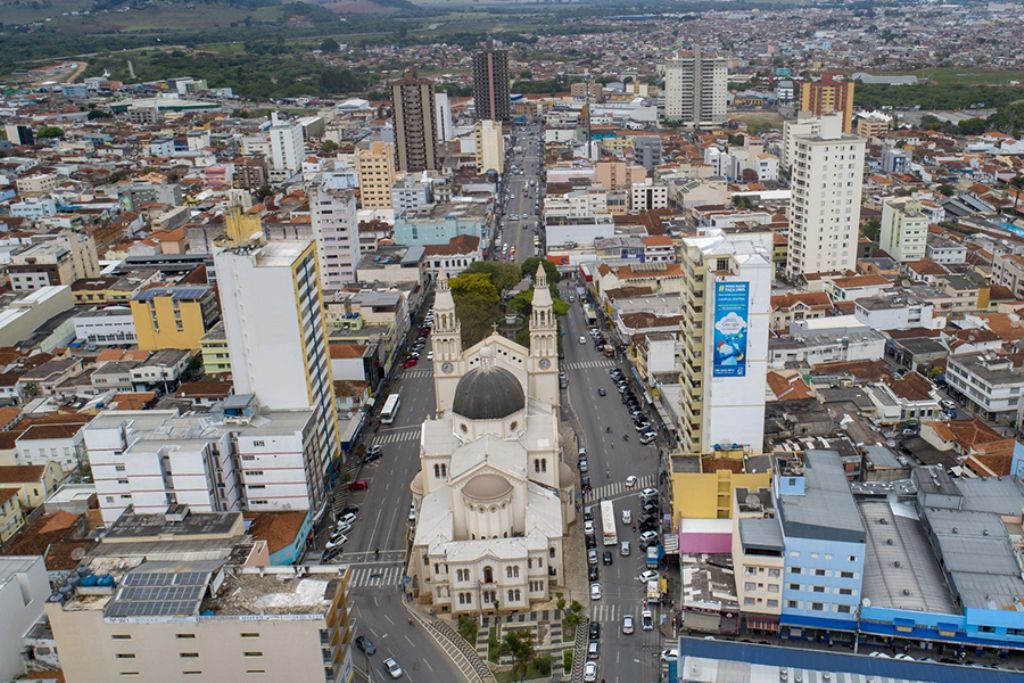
{"x": 78, "y": 554}
{"x": 866, "y": 602}
{"x": 752, "y": 501}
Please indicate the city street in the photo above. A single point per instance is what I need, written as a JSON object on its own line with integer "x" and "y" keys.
{"x": 523, "y": 198}
{"x": 624, "y": 658}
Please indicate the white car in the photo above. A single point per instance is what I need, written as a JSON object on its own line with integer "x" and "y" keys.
{"x": 627, "y": 624}
{"x": 412, "y": 513}
{"x": 588, "y": 527}
{"x": 649, "y": 536}
{"x": 627, "y": 517}
{"x": 347, "y": 518}
{"x": 669, "y": 655}
{"x": 631, "y": 481}
{"x": 336, "y": 542}
{"x": 590, "y": 672}
{"x": 648, "y": 575}
{"x": 649, "y": 493}
{"x": 647, "y": 620}
{"x": 595, "y": 591}
{"x": 391, "y": 666}
{"x": 583, "y": 340}
{"x": 430, "y": 355}
{"x": 342, "y": 528}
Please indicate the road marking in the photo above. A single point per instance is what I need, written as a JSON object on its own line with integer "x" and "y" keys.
{"x": 618, "y": 488}
{"x": 409, "y": 640}
{"x": 584, "y": 364}
{"x": 417, "y": 374}
{"x": 397, "y": 437}
{"x": 428, "y": 664}
{"x": 389, "y": 620}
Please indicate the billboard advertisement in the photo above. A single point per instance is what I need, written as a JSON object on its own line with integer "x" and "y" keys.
{"x": 731, "y": 318}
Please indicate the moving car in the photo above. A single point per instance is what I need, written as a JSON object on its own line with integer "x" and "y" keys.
{"x": 648, "y": 575}
{"x": 595, "y": 591}
{"x": 630, "y": 483}
{"x": 412, "y": 513}
{"x": 411, "y": 363}
{"x": 624, "y": 549}
{"x": 391, "y": 666}
{"x": 374, "y": 453}
{"x": 583, "y": 340}
{"x": 669, "y": 655}
{"x": 607, "y": 557}
{"x": 627, "y": 624}
{"x": 627, "y": 517}
{"x": 601, "y": 391}
{"x": 366, "y": 645}
{"x": 647, "y": 620}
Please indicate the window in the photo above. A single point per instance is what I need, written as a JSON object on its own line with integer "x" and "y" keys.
{"x": 184, "y": 635}
{"x": 794, "y": 586}
{"x": 820, "y": 572}
{"x": 250, "y": 635}
{"x": 846, "y": 575}
{"x": 819, "y": 589}
{"x": 125, "y": 655}
{"x": 188, "y": 655}
{"x": 791, "y": 604}
{"x": 794, "y": 570}
{"x": 749, "y": 586}
{"x": 253, "y": 654}
{"x": 853, "y": 558}
{"x": 817, "y": 606}
{"x": 120, "y": 636}
{"x": 846, "y": 591}
{"x": 845, "y": 609}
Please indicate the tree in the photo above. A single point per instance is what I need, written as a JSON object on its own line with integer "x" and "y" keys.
{"x": 476, "y": 285}
{"x": 329, "y": 46}
{"x": 946, "y": 189}
{"x": 476, "y": 304}
{"x": 50, "y": 132}
{"x": 518, "y": 645}
{"x": 502, "y": 274}
{"x": 98, "y": 114}
{"x": 529, "y": 269}
{"x": 972, "y": 126}
{"x": 329, "y": 147}
{"x": 1017, "y": 182}
{"x": 872, "y": 229}
{"x": 574, "y": 617}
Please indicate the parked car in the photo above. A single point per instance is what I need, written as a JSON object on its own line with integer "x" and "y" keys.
{"x": 412, "y": 513}
{"x": 647, "y": 437}
{"x": 366, "y": 646}
{"x": 595, "y": 591}
{"x": 347, "y": 518}
{"x": 595, "y": 630}
{"x": 592, "y": 573}
{"x": 336, "y": 542}
{"x": 593, "y": 650}
{"x": 358, "y": 485}
{"x": 373, "y": 453}
{"x": 391, "y": 666}
{"x": 590, "y": 672}
{"x": 647, "y": 575}
{"x": 592, "y": 556}
{"x": 342, "y": 528}
{"x": 648, "y": 537}
{"x": 669, "y": 655}
{"x": 584, "y": 465}
{"x": 649, "y": 493}
{"x": 588, "y": 527}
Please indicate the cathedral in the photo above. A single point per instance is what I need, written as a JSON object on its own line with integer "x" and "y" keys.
{"x": 493, "y": 497}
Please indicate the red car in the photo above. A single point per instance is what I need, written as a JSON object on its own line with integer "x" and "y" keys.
{"x": 424, "y": 330}
{"x": 358, "y": 485}
{"x": 410, "y": 363}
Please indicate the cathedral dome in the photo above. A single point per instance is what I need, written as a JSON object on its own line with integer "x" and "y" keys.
{"x": 488, "y": 393}
{"x": 487, "y": 487}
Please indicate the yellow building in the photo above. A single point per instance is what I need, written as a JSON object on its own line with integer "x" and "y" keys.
{"x": 32, "y": 483}
{"x": 758, "y": 558}
{"x": 173, "y": 317}
{"x": 490, "y": 146}
{"x": 376, "y": 168}
{"x": 214, "y": 349}
{"x": 11, "y": 519}
{"x": 832, "y": 93}
{"x": 240, "y": 226}
{"x": 102, "y": 291}
{"x": 703, "y": 487}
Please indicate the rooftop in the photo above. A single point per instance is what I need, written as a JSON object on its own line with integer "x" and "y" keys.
{"x": 826, "y": 509}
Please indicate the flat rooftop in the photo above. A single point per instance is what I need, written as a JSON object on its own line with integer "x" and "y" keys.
{"x": 130, "y": 526}
{"x": 288, "y": 592}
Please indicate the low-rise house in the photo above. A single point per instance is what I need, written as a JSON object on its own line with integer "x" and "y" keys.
{"x": 991, "y": 383}
{"x": 33, "y": 483}
{"x": 11, "y": 519}
{"x": 162, "y": 371}
{"x": 975, "y": 444}
{"x": 798, "y": 306}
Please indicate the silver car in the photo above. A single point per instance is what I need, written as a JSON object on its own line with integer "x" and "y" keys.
{"x": 627, "y": 624}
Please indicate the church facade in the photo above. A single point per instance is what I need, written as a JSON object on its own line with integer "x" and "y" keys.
{"x": 493, "y": 497}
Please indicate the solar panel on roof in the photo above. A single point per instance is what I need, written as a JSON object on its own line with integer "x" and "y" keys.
{"x": 151, "y": 594}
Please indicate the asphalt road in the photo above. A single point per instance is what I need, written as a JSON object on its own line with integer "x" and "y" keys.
{"x": 523, "y": 199}
{"x": 623, "y": 658}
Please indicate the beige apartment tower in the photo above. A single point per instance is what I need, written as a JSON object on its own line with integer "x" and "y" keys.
{"x": 824, "y": 212}
{"x": 490, "y": 146}
{"x": 414, "y": 113}
{"x": 696, "y": 86}
{"x": 376, "y": 167}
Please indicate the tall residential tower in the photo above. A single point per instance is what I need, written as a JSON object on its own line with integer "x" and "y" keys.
{"x": 696, "y": 88}
{"x": 414, "y": 112}
{"x": 490, "y": 84}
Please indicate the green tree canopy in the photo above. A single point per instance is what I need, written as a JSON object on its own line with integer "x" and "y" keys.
{"x": 50, "y": 132}
{"x": 476, "y": 305}
{"x": 972, "y": 126}
{"x": 529, "y": 269}
{"x": 329, "y": 45}
{"x": 518, "y": 645}
{"x": 503, "y": 275}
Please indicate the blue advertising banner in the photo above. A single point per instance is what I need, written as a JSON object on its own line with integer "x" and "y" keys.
{"x": 731, "y": 318}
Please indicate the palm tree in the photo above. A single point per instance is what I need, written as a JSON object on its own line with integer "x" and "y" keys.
{"x": 1018, "y": 184}
{"x": 518, "y": 645}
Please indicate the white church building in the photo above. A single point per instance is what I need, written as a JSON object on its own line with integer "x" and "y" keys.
{"x": 493, "y": 497}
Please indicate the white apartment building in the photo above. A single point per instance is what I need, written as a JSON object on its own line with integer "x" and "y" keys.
{"x": 894, "y": 311}
{"x": 827, "y": 176}
{"x": 577, "y": 204}
{"x": 443, "y": 107}
{"x": 286, "y": 146}
{"x": 696, "y": 88}
{"x": 332, "y": 206}
{"x": 828, "y": 126}
{"x": 647, "y": 195}
{"x": 276, "y": 332}
{"x": 904, "y": 232}
{"x": 990, "y": 382}
{"x": 244, "y": 459}
{"x": 490, "y": 146}
{"x": 110, "y": 326}
{"x": 724, "y": 351}
{"x": 24, "y": 589}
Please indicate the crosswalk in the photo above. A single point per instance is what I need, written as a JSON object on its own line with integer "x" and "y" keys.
{"x": 370, "y": 576}
{"x": 417, "y": 374}
{"x": 585, "y": 364}
{"x": 618, "y": 488}
{"x": 397, "y": 436}
{"x": 610, "y": 613}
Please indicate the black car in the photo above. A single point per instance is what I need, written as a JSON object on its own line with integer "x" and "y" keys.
{"x": 354, "y": 509}
{"x": 601, "y": 391}
{"x": 585, "y": 481}
{"x": 607, "y": 557}
{"x": 588, "y": 513}
{"x": 595, "y": 630}
{"x": 591, "y": 541}
{"x": 366, "y": 645}
{"x": 592, "y": 573}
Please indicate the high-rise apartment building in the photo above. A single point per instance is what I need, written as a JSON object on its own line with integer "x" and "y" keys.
{"x": 827, "y": 126}
{"x": 724, "y": 348}
{"x": 376, "y": 168}
{"x": 19, "y": 135}
{"x": 830, "y": 94}
{"x": 824, "y": 212}
{"x": 414, "y": 112}
{"x": 490, "y": 146}
{"x": 273, "y": 312}
{"x": 332, "y": 208}
{"x": 490, "y": 84}
{"x": 904, "y": 229}
{"x": 286, "y": 146}
{"x": 445, "y": 127}
{"x": 696, "y": 86}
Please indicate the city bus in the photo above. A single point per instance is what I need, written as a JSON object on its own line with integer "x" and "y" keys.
{"x": 390, "y": 409}
{"x": 611, "y": 537}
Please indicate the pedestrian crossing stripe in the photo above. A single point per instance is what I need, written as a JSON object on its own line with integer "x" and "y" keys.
{"x": 584, "y": 364}
{"x": 618, "y": 488}
{"x": 417, "y": 374}
{"x": 609, "y": 613}
{"x": 397, "y": 437}
{"x": 375, "y": 577}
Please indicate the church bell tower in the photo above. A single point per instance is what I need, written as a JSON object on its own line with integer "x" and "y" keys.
{"x": 543, "y": 364}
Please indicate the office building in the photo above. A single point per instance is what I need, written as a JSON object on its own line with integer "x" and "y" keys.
{"x": 332, "y": 207}
{"x": 19, "y": 135}
{"x": 490, "y": 84}
{"x": 824, "y": 215}
{"x": 831, "y": 94}
{"x": 445, "y": 127}
{"x": 895, "y": 160}
{"x": 827, "y": 126}
{"x": 414, "y": 114}
{"x": 904, "y": 231}
{"x": 490, "y": 146}
{"x": 51, "y": 261}
{"x": 201, "y": 604}
{"x": 724, "y": 350}
{"x": 375, "y": 165}
{"x": 273, "y": 312}
{"x": 286, "y": 146}
{"x": 174, "y": 317}
{"x": 696, "y": 89}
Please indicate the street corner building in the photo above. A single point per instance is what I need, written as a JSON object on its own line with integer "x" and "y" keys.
{"x": 494, "y": 498}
